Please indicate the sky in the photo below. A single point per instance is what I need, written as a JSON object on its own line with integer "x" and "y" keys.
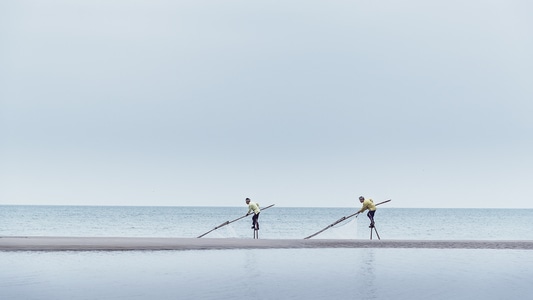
{"x": 294, "y": 103}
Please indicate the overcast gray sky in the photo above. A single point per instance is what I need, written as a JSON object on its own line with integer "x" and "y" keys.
{"x": 297, "y": 103}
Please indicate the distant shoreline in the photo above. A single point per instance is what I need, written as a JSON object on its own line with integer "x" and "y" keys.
{"x": 45, "y": 243}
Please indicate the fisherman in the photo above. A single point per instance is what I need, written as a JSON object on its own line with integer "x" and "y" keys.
{"x": 368, "y": 204}
{"x": 252, "y": 206}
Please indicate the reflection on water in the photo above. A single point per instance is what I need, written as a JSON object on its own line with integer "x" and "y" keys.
{"x": 268, "y": 274}
{"x": 368, "y": 276}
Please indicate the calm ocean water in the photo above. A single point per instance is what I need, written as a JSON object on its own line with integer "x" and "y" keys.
{"x": 267, "y": 274}
{"x": 276, "y": 222}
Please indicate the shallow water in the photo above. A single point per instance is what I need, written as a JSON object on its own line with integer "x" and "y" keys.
{"x": 268, "y": 274}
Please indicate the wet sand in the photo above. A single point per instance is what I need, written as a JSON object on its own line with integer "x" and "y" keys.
{"x": 38, "y": 243}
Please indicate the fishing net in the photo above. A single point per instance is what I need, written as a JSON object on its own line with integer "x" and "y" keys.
{"x": 343, "y": 230}
{"x": 224, "y": 232}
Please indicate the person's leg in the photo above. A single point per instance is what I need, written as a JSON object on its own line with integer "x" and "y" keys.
{"x": 370, "y": 215}
{"x": 255, "y": 221}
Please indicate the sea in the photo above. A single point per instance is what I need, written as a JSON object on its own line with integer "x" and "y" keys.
{"x": 366, "y": 273}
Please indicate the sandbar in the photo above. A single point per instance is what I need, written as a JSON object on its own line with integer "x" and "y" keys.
{"x": 49, "y": 243}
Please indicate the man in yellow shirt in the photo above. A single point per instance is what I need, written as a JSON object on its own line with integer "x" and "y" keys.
{"x": 368, "y": 204}
{"x": 252, "y": 206}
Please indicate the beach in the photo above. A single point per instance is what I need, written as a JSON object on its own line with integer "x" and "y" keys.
{"x": 40, "y": 243}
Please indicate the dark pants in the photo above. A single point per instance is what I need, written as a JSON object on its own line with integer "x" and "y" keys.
{"x": 255, "y": 222}
{"x": 370, "y": 215}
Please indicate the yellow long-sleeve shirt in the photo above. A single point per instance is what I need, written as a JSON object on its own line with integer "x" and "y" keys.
{"x": 368, "y": 204}
{"x": 252, "y": 206}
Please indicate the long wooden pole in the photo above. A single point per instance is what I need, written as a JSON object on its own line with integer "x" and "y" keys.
{"x": 340, "y": 220}
{"x": 228, "y": 222}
